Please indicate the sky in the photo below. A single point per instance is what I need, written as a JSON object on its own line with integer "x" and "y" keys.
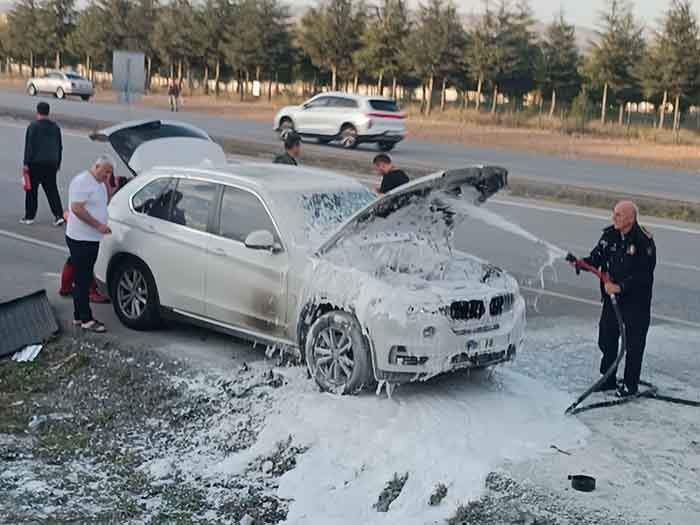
{"x": 579, "y": 12}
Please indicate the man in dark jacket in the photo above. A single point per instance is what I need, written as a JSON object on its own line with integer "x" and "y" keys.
{"x": 626, "y": 251}
{"x": 391, "y": 177}
{"x": 43, "y": 150}
{"x": 173, "y": 94}
{"x": 292, "y": 149}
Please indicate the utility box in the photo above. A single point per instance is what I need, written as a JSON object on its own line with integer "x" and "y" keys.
{"x": 128, "y": 75}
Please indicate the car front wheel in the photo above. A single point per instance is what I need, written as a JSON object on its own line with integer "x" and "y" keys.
{"x": 60, "y": 93}
{"x": 134, "y": 296}
{"x": 337, "y": 353}
{"x": 31, "y": 90}
{"x": 286, "y": 127}
{"x": 85, "y": 97}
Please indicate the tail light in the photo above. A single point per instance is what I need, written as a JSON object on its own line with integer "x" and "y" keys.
{"x": 387, "y": 115}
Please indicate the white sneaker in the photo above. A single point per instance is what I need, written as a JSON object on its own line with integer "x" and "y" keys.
{"x": 26, "y": 221}
{"x": 60, "y": 221}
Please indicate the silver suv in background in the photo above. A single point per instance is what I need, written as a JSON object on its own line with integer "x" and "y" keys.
{"x": 347, "y": 119}
{"x": 61, "y": 84}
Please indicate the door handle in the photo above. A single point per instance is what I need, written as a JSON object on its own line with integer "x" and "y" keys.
{"x": 149, "y": 228}
{"x": 218, "y": 251}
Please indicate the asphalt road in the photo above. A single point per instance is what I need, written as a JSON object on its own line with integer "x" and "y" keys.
{"x": 653, "y": 182}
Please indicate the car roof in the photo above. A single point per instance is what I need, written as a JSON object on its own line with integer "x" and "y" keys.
{"x": 352, "y": 96}
{"x": 266, "y": 176}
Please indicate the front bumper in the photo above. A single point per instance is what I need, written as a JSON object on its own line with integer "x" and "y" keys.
{"x": 411, "y": 353}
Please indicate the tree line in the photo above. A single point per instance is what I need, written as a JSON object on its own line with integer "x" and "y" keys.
{"x": 495, "y": 55}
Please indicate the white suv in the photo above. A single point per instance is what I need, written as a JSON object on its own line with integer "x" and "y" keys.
{"x": 349, "y": 119}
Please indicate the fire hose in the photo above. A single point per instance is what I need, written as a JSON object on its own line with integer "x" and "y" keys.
{"x": 651, "y": 391}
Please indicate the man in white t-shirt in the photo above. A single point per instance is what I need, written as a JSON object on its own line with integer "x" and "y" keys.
{"x": 87, "y": 223}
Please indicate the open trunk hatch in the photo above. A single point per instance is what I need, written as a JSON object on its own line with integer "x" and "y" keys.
{"x": 147, "y": 143}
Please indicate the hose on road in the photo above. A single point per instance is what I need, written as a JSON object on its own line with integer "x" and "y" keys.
{"x": 651, "y": 391}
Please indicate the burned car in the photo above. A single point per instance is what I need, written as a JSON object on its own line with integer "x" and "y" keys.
{"x": 363, "y": 288}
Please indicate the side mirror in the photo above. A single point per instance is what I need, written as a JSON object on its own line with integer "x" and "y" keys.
{"x": 306, "y": 105}
{"x": 261, "y": 240}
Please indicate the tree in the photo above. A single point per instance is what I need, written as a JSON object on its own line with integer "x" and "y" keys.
{"x": 436, "y": 44}
{"x": 617, "y": 56}
{"x": 57, "y": 21}
{"x": 141, "y": 19}
{"x": 480, "y": 54}
{"x": 679, "y": 47}
{"x": 172, "y": 36}
{"x": 560, "y": 60}
{"x": 383, "y": 42}
{"x": 330, "y": 34}
{"x": 216, "y": 17}
{"x": 25, "y": 39}
{"x": 86, "y": 41}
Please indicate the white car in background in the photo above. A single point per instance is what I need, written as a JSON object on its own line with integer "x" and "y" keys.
{"x": 365, "y": 289}
{"x": 61, "y": 84}
{"x": 347, "y": 119}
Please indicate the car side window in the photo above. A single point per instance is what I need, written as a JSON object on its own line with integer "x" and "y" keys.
{"x": 154, "y": 198}
{"x": 340, "y": 102}
{"x": 321, "y": 102}
{"x": 192, "y": 200}
{"x": 243, "y": 213}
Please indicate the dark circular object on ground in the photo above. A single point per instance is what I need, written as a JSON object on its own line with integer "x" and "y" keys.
{"x": 582, "y": 483}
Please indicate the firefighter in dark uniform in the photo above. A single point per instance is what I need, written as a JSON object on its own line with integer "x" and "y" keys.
{"x": 292, "y": 149}
{"x": 627, "y": 253}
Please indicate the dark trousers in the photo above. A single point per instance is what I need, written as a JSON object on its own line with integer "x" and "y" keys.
{"x": 44, "y": 175}
{"x": 83, "y": 255}
{"x": 636, "y": 326}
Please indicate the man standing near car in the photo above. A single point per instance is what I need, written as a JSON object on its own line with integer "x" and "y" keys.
{"x": 627, "y": 253}
{"x": 173, "y": 94}
{"x": 292, "y": 149}
{"x": 391, "y": 177}
{"x": 43, "y": 150}
{"x": 87, "y": 223}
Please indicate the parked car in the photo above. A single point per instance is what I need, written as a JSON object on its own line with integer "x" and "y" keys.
{"x": 61, "y": 84}
{"x": 305, "y": 259}
{"x": 348, "y": 119}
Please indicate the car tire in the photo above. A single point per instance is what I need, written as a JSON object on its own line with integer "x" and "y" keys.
{"x": 135, "y": 296}
{"x": 386, "y": 146}
{"x": 85, "y": 97}
{"x": 337, "y": 353}
{"x": 60, "y": 94}
{"x": 285, "y": 128}
{"x": 32, "y": 90}
{"x": 348, "y": 136}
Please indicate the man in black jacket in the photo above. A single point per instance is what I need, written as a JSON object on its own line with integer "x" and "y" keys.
{"x": 391, "y": 177}
{"x": 43, "y": 150}
{"x": 627, "y": 253}
{"x": 292, "y": 149}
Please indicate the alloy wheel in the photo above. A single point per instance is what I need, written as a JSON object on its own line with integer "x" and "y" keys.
{"x": 132, "y": 294}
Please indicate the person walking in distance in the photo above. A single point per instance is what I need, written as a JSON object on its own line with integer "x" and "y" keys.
{"x": 173, "y": 94}
{"x": 391, "y": 177}
{"x": 87, "y": 223}
{"x": 43, "y": 151}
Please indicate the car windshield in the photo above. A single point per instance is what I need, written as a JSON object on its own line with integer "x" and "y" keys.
{"x": 319, "y": 213}
{"x": 72, "y": 76}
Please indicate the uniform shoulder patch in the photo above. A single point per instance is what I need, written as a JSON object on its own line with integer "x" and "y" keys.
{"x": 646, "y": 232}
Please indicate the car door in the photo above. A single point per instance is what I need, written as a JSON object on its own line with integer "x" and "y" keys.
{"x": 310, "y": 119}
{"x": 43, "y": 83}
{"x": 172, "y": 238}
{"x": 340, "y": 111}
{"x": 245, "y": 287}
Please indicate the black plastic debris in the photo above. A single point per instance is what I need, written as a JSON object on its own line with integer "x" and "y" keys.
{"x": 26, "y": 321}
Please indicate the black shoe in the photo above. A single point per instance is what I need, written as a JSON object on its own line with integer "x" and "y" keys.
{"x": 623, "y": 391}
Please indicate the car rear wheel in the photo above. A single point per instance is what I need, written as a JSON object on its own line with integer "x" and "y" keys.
{"x": 134, "y": 296}
{"x": 286, "y": 127}
{"x": 85, "y": 97}
{"x": 337, "y": 353}
{"x": 386, "y": 146}
{"x": 60, "y": 93}
{"x": 31, "y": 90}
{"x": 348, "y": 136}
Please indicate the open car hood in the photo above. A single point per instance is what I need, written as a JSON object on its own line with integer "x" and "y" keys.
{"x": 143, "y": 144}
{"x": 414, "y": 207}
